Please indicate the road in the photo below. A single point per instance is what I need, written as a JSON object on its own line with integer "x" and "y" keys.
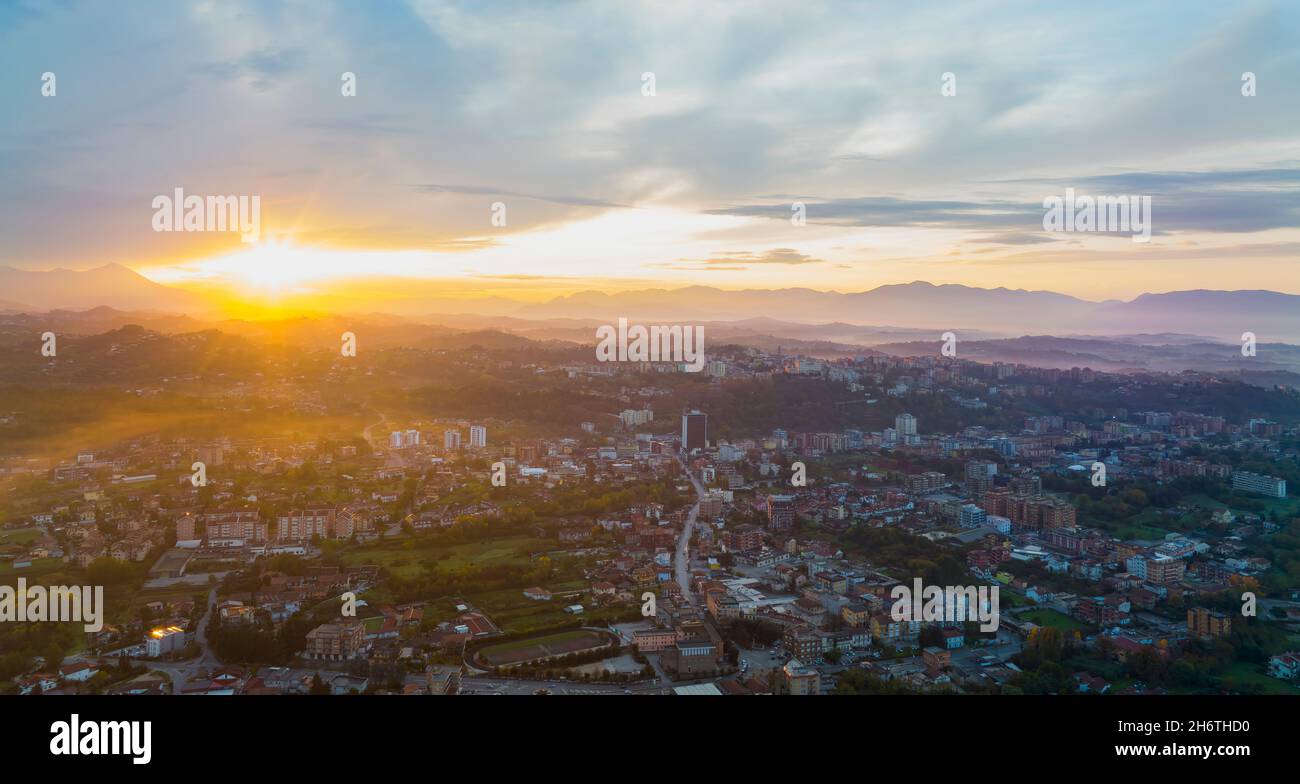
{"x": 181, "y": 672}
{"x": 684, "y": 543}
{"x": 488, "y": 685}
{"x": 365, "y": 433}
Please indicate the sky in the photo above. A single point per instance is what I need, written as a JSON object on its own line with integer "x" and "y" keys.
{"x": 756, "y": 106}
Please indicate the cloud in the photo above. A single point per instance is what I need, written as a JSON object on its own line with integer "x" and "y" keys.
{"x": 1012, "y": 238}
{"x": 741, "y": 260}
{"x": 1231, "y": 200}
{"x": 894, "y": 211}
{"x": 475, "y": 190}
{"x": 261, "y": 68}
{"x": 773, "y": 256}
{"x": 542, "y": 103}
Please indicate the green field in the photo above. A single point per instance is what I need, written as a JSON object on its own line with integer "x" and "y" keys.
{"x": 1045, "y": 617}
{"x": 1286, "y": 507}
{"x": 517, "y": 614}
{"x": 532, "y": 648}
{"x": 23, "y": 536}
{"x": 403, "y": 558}
{"x": 41, "y": 566}
{"x": 1248, "y": 674}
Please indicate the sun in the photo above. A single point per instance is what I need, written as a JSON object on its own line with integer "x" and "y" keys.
{"x": 274, "y": 267}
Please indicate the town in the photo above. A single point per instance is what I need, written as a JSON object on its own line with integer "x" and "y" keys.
{"x": 735, "y": 531}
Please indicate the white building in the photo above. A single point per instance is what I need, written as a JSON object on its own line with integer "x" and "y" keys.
{"x": 905, "y": 425}
{"x": 477, "y": 436}
{"x": 165, "y": 640}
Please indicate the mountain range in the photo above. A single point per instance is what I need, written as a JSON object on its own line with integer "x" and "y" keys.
{"x": 839, "y": 316}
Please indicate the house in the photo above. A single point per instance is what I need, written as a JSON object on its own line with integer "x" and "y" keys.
{"x": 1091, "y": 684}
{"x": 42, "y": 681}
{"x": 348, "y": 684}
{"x": 856, "y": 614}
{"x": 1284, "y": 665}
{"x": 147, "y": 684}
{"x": 78, "y": 671}
{"x": 574, "y": 609}
{"x": 936, "y": 659}
{"x": 537, "y": 594}
{"x": 440, "y": 680}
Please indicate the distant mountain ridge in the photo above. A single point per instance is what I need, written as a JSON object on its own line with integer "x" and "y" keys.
{"x": 1221, "y": 315}
{"x": 112, "y": 285}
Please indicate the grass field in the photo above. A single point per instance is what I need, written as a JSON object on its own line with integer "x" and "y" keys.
{"x": 41, "y": 566}
{"x": 517, "y": 614}
{"x": 1045, "y": 617}
{"x": 1248, "y": 674}
{"x": 403, "y": 558}
{"x": 21, "y": 536}
{"x": 1287, "y": 507}
{"x": 533, "y": 648}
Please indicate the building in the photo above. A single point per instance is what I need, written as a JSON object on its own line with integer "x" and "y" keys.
{"x": 695, "y": 431}
{"x": 302, "y": 525}
{"x": 403, "y": 439}
{"x": 187, "y": 528}
{"x": 698, "y": 689}
{"x": 1285, "y": 665}
{"x": 1259, "y": 484}
{"x": 802, "y": 642}
{"x": 971, "y": 516}
{"x": 633, "y": 417}
{"x": 451, "y": 440}
{"x": 979, "y": 476}
{"x": 905, "y": 425}
{"x": 780, "y": 512}
{"x": 710, "y": 506}
{"x": 741, "y": 538}
{"x": 695, "y": 655}
{"x": 335, "y": 641}
{"x": 928, "y": 482}
{"x": 442, "y": 680}
{"x": 242, "y": 526}
{"x": 800, "y": 678}
{"x": 164, "y": 641}
{"x": 477, "y": 436}
{"x": 936, "y": 659}
{"x": 1203, "y": 622}
{"x": 652, "y": 640}
{"x": 1158, "y": 570}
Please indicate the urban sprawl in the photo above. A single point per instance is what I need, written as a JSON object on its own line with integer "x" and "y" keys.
{"x": 742, "y": 530}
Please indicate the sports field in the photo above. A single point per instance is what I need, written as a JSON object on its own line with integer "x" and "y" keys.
{"x": 535, "y": 648}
